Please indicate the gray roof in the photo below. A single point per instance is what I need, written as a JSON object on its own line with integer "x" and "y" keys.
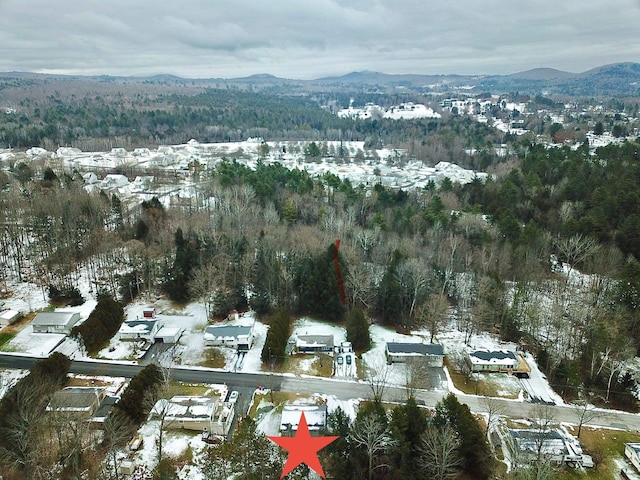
{"x": 227, "y": 330}
{"x": 496, "y": 355}
{"x": 55, "y": 318}
{"x": 74, "y": 398}
{"x": 316, "y": 340}
{"x": 413, "y": 348}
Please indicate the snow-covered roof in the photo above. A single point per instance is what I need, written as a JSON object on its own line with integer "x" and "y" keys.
{"x": 182, "y": 406}
{"x": 314, "y": 341}
{"x": 315, "y": 415}
{"x": 56, "y": 318}
{"x": 502, "y": 357}
{"x": 138, "y": 326}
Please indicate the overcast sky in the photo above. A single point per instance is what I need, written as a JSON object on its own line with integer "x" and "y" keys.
{"x": 313, "y": 38}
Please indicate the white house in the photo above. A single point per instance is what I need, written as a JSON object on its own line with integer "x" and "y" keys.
{"x": 431, "y": 353}
{"x": 113, "y": 180}
{"x": 495, "y": 361}
{"x": 234, "y": 336}
{"x": 145, "y": 328}
{"x": 55, "y": 322}
{"x": 203, "y": 414}
{"x": 632, "y": 452}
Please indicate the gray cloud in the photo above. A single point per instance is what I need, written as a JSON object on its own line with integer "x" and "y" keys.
{"x": 306, "y": 39}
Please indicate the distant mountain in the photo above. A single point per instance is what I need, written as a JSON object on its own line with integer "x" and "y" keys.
{"x": 618, "y": 79}
{"x": 542, "y": 74}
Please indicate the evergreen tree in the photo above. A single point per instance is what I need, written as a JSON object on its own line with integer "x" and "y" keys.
{"x": 473, "y": 448}
{"x": 408, "y": 423}
{"x": 318, "y": 287}
{"x": 358, "y": 329}
{"x": 389, "y": 299}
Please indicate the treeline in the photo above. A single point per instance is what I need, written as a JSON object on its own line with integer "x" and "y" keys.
{"x": 23, "y": 422}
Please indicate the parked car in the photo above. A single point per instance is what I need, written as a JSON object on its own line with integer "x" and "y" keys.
{"x": 233, "y": 397}
{"x": 340, "y": 360}
{"x": 349, "y": 360}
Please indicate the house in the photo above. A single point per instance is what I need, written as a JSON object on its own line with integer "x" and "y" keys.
{"x": 431, "y": 353}
{"x": 315, "y": 415}
{"x": 314, "y": 343}
{"x": 145, "y": 328}
{"x": 55, "y": 322}
{"x": 90, "y": 178}
{"x": 234, "y": 336}
{"x": 503, "y": 361}
{"x": 7, "y": 317}
{"x": 77, "y": 402}
{"x": 203, "y": 414}
{"x": 632, "y": 452}
{"x": 114, "y": 181}
{"x": 553, "y": 444}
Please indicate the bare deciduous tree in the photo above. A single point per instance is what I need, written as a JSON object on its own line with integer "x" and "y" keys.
{"x": 378, "y": 378}
{"x": 374, "y": 436}
{"x": 494, "y": 408}
{"x": 434, "y": 313}
{"x": 439, "y": 452}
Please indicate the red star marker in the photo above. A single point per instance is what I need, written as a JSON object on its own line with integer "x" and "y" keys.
{"x": 303, "y": 448}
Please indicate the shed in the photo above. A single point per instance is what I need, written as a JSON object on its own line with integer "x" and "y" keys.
{"x": 7, "y": 317}
{"x": 55, "y": 322}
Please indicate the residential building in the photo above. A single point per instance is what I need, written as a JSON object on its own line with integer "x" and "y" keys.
{"x": 234, "y": 336}
{"x": 203, "y": 414}
{"x": 503, "y": 361}
{"x": 55, "y": 322}
{"x": 77, "y": 402}
{"x": 140, "y": 328}
{"x": 315, "y": 415}
{"x": 314, "y": 343}
{"x": 431, "y": 353}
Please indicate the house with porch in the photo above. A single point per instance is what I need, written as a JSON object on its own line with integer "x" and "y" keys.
{"x": 500, "y": 361}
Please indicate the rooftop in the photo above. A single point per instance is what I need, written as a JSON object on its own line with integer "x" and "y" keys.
{"x": 415, "y": 348}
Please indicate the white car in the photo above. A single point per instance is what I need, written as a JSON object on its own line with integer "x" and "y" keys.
{"x": 233, "y": 397}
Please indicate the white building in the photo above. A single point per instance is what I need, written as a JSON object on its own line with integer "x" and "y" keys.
{"x": 234, "y": 336}
{"x": 55, "y": 322}
{"x": 315, "y": 416}
{"x": 7, "y": 317}
{"x": 203, "y": 414}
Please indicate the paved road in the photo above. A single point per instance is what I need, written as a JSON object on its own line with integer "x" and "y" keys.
{"x": 342, "y": 389}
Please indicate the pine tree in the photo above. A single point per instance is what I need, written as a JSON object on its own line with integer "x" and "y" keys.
{"x": 358, "y": 329}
